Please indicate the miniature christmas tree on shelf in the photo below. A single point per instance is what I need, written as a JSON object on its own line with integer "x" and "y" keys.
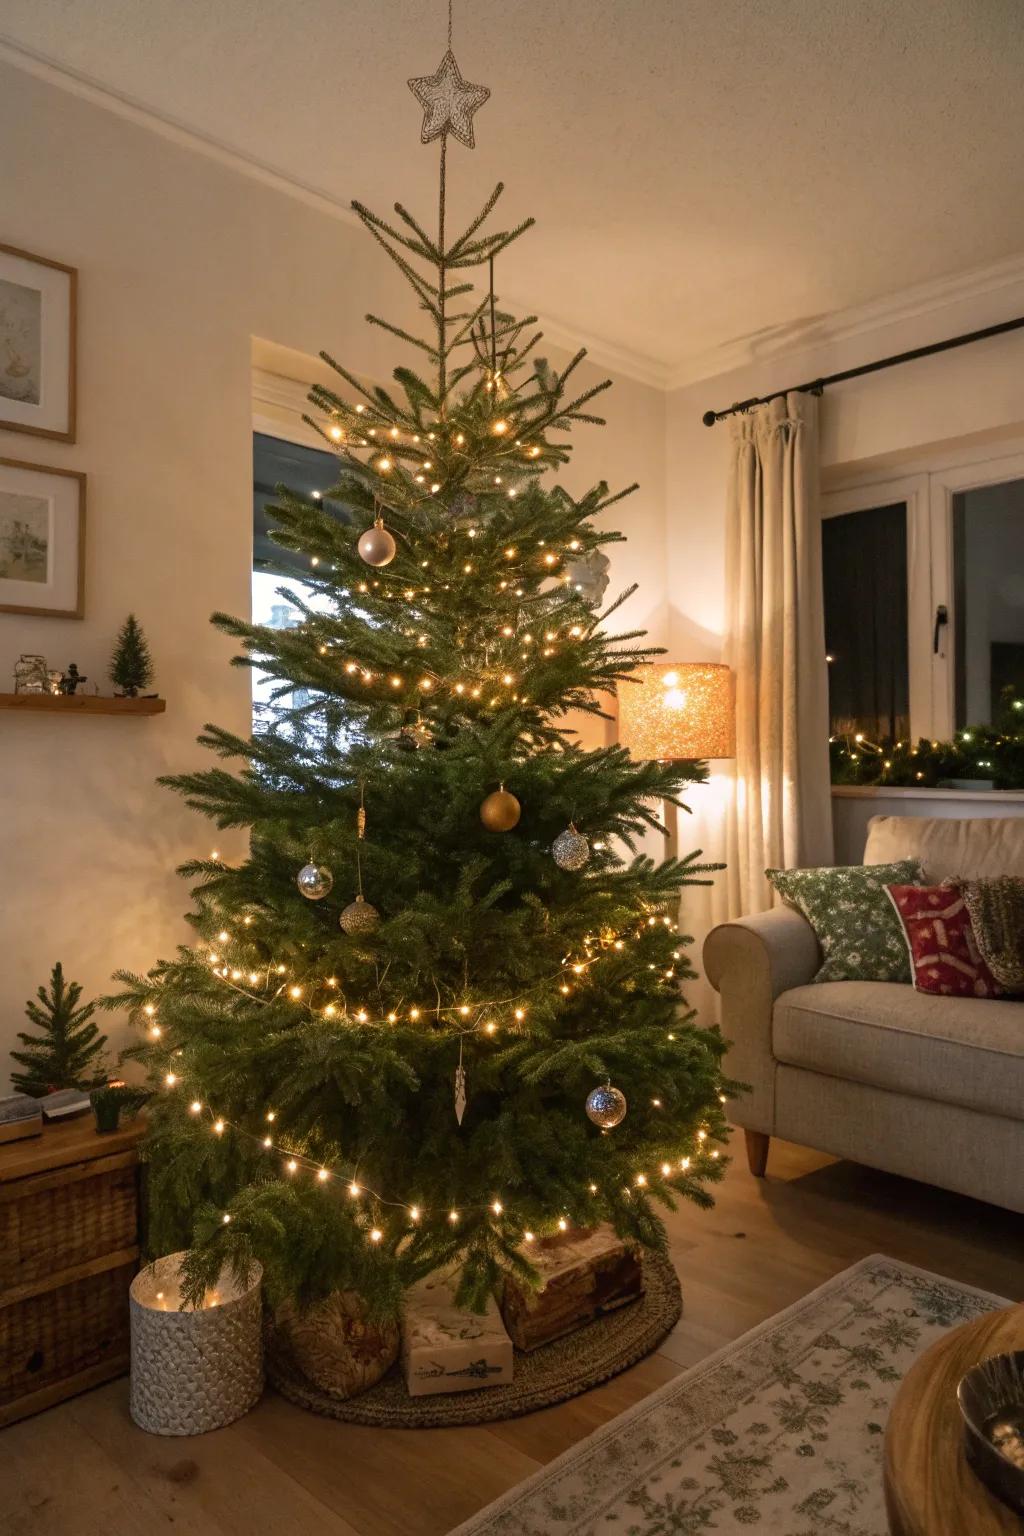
{"x": 435, "y": 1013}
{"x": 131, "y": 667}
{"x": 68, "y": 1050}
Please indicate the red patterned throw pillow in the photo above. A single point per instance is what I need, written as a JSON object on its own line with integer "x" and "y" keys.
{"x": 944, "y": 956}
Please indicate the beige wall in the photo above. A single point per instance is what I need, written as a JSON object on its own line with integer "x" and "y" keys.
{"x": 182, "y": 262}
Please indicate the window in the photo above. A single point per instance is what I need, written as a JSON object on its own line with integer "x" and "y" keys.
{"x": 277, "y": 571}
{"x": 988, "y": 585}
{"x": 924, "y": 601}
{"x": 864, "y": 561}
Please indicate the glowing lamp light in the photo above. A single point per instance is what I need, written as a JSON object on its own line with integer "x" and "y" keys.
{"x": 680, "y": 711}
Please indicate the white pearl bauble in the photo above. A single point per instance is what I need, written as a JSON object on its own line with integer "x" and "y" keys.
{"x": 376, "y": 546}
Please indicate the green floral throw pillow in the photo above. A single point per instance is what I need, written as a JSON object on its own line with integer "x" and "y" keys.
{"x": 854, "y": 920}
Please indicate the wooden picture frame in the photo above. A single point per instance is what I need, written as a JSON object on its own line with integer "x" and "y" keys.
{"x": 42, "y": 540}
{"x": 38, "y": 344}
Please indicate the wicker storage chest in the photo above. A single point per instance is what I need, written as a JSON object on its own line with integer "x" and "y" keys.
{"x": 69, "y": 1219}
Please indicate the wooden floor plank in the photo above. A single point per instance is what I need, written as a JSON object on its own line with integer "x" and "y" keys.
{"x": 84, "y": 1469}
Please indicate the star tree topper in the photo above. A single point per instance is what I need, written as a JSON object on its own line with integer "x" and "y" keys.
{"x": 448, "y": 102}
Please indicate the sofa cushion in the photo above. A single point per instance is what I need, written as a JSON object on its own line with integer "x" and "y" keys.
{"x": 853, "y": 919}
{"x": 958, "y": 1050}
{"x": 976, "y": 848}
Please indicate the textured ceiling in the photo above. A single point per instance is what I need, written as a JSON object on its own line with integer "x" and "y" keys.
{"x": 702, "y": 171}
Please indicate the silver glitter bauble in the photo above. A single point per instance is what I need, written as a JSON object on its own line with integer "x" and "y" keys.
{"x": 376, "y": 546}
{"x": 570, "y": 849}
{"x": 359, "y": 917}
{"x": 314, "y": 881}
{"x": 606, "y": 1107}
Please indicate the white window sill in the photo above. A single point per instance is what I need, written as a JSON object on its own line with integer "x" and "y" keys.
{"x": 901, "y": 792}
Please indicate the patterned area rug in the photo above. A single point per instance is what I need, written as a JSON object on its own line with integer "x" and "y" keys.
{"x": 779, "y": 1433}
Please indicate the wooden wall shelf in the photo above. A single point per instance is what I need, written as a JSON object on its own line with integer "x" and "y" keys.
{"x": 80, "y": 704}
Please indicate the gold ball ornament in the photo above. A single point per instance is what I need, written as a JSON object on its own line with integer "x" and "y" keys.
{"x": 501, "y": 811}
{"x": 376, "y": 546}
{"x": 359, "y": 917}
{"x": 606, "y": 1107}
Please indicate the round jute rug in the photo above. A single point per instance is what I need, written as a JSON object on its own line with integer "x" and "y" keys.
{"x": 549, "y": 1375}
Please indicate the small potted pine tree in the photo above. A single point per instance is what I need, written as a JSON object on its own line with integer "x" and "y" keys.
{"x": 68, "y": 1050}
{"x": 131, "y": 666}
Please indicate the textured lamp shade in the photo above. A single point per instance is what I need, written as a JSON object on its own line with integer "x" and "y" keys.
{"x": 678, "y": 710}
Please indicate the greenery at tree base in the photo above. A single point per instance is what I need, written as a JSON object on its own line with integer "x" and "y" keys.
{"x": 131, "y": 667}
{"x": 68, "y": 1050}
{"x": 991, "y": 753}
{"x": 306, "y": 1114}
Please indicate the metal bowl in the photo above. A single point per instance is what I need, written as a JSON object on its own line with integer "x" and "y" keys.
{"x": 991, "y": 1398}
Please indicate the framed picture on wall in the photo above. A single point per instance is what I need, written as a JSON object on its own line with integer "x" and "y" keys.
{"x": 37, "y": 345}
{"x": 42, "y": 540}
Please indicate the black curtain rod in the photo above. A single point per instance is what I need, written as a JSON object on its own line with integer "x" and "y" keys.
{"x": 816, "y": 386}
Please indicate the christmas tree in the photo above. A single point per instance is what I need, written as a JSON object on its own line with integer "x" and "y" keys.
{"x": 131, "y": 667}
{"x": 68, "y": 1050}
{"x": 435, "y": 1014}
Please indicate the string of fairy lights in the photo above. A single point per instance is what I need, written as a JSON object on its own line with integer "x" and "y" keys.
{"x": 396, "y": 444}
{"x": 294, "y": 1162}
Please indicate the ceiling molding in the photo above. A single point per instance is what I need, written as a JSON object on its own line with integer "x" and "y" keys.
{"x": 620, "y": 360}
{"x": 784, "y": 341}
{"x": 825, "y": 330}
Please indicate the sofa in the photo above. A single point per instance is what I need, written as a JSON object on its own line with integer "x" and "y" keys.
{"x": 925, "y": 1086}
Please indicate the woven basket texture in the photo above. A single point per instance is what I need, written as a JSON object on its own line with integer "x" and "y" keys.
{"x": 47, "y": 1338}
{"x": 551, "y": 1374}
{"x": 196, "y": 1370}
{"x": 43, "y": 1230}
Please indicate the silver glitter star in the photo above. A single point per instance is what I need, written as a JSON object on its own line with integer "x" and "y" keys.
{"x": 448, "y": 102}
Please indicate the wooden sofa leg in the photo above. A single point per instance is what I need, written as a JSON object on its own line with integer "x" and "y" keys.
{"x": 758, "y": 1143}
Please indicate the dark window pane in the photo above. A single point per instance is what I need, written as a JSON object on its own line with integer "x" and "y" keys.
{"x": 988, "y": 563}
{"x": 864, "y": 556}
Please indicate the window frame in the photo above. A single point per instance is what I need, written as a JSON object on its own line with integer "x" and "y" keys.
{"x": 927, "y": 490}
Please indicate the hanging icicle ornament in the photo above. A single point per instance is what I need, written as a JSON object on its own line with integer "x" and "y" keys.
{"x": 376, "y": 546}
{"x": 606, "y": 1107}
{"x": 570, "y": 849}
{"x": 501, "y": 811}
{"x": 460, "y": 1088}
{"x": 359, "y": 917}
{"x": 314, "y": 881}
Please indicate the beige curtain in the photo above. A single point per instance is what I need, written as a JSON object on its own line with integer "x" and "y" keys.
{"x": 781, "y": 813}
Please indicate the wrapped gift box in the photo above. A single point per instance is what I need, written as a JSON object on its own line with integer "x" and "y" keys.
{"x": 583, "y": 1276}
{"x": 445, "y": 1349}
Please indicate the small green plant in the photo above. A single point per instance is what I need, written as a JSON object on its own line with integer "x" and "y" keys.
{"x": 131, "y": 666}
{"x": 113, "y": 1100}
{"x": 68, "y": 1050}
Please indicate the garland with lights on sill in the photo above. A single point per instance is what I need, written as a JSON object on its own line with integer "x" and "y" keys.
{"x": 991, "y": 754}
{"x": 434, "y": 1012}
